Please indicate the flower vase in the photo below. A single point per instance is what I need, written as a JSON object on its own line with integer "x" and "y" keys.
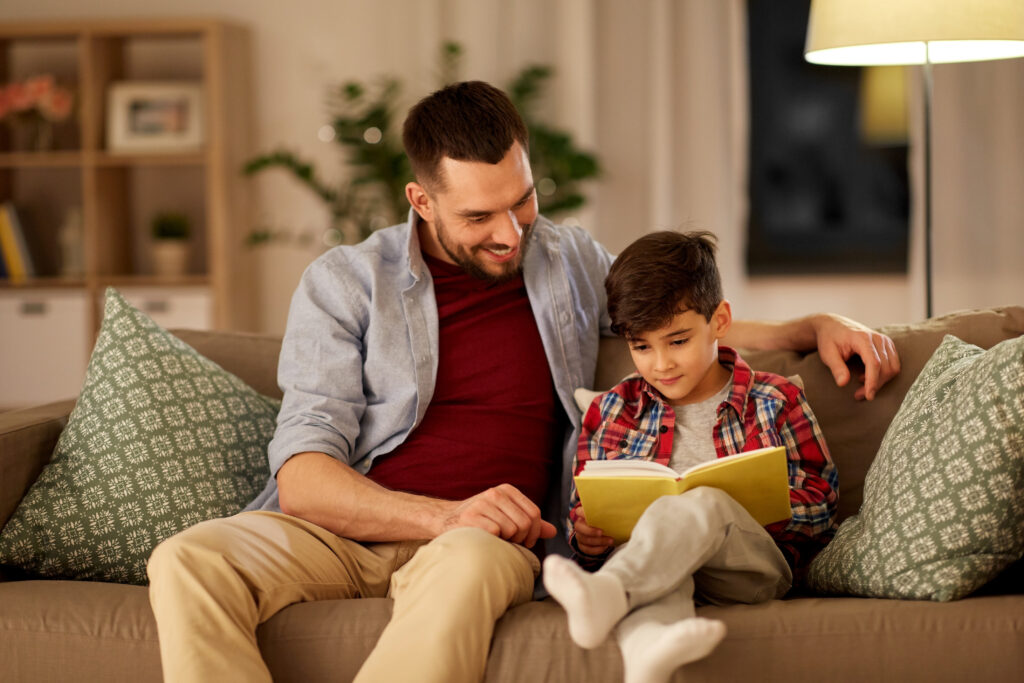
{"x": 32, "y": 135}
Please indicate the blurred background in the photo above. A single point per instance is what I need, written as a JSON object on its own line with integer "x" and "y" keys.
{"x": 661, "y": 93}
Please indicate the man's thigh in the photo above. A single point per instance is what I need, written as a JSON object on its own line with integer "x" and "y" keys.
{"x": 281, "y": 559}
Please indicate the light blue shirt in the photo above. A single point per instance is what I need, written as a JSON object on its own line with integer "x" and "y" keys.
{"x": 359, "y": 357}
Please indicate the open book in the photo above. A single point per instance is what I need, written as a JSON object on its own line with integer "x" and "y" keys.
{"x": 615, "y": 493}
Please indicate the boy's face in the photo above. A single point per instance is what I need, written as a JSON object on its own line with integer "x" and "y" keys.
{"x": 680, "y": 360}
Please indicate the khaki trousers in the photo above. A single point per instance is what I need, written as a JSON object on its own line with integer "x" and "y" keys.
{"x": 214, "y": 583}
{"x": 701, "y": 541}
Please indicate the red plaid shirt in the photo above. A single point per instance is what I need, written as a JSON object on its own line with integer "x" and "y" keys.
{"x": 632, "y": 420}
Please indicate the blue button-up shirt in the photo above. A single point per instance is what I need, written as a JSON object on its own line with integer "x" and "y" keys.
{"x": 359, "y": 357}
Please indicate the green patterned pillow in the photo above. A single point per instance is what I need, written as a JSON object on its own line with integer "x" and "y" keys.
{"x": 943, "y": 511}
{"x": 161, "y": 438}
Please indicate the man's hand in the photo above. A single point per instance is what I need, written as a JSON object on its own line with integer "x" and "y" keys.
{"x": 590, "y": 540}
{"x": 840, "y": 338}
{"x": 503, "y": 511}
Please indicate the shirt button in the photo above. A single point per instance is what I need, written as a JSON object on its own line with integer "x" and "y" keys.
{"x": 663, "y": 429}
{"x": 623, "y": 443}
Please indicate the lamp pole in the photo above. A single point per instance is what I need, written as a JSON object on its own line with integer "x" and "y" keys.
{"x": 927, "y": 80}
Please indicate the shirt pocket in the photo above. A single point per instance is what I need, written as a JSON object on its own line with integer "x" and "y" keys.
{"x": 616, "y": 441}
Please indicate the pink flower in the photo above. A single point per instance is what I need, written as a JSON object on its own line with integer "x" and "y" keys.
{"x": 36, "y": 96}
{"x": 56, "y": 105}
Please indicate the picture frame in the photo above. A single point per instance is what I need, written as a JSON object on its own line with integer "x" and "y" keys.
{"x": 164, "y": 116}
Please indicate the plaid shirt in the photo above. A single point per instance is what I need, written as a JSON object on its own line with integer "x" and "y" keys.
{"x": 763, "y": 409}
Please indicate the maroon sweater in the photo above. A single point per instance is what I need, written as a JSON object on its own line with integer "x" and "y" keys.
{"x": 493, "y": 418}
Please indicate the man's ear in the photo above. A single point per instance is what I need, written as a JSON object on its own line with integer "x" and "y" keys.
{"x": 420, "y": 201}
{"x": 721, "y": 319}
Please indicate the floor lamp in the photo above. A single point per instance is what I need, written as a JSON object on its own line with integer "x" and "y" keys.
{"x": 925, "y": 32}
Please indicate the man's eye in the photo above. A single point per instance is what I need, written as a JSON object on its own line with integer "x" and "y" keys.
{"x": 477, "y": 219}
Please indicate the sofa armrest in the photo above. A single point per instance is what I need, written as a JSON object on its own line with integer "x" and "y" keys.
{"x": 27, "y": 440}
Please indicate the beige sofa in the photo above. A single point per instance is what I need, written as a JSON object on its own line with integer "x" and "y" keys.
{"x": 81, "y": 631}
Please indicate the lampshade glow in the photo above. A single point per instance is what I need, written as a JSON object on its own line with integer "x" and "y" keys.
{"x": 872, "y": 32}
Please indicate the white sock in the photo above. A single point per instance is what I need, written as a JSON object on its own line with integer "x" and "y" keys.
{"x": 594, "y": 602}
{"x": 662, "y": 648}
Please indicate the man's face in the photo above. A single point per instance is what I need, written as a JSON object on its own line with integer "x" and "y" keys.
{"x": 481, "y": 219}
{"x": 680, "y": 360}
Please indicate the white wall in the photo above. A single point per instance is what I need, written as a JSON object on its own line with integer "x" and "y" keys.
{"x": 611, "y": 91}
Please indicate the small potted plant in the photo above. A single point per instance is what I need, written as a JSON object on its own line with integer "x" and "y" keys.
{"x": 170, "y": 243}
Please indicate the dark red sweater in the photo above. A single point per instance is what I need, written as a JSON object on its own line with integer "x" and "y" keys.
{"x": 493, "y": 418}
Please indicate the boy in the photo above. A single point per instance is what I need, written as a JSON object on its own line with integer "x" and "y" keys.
{"x": 691, "y": 401}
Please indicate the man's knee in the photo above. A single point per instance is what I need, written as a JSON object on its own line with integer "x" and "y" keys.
{"x": 470, "y": 559}
{"x": 203, "y": 544}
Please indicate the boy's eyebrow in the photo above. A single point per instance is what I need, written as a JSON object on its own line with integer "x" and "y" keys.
{"x": 676, "y": 333}
{"x": 471, "y": 213}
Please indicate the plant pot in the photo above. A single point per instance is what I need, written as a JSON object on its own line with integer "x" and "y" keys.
{"x": 170, "y": 257}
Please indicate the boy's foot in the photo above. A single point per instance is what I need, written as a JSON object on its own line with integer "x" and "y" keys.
{"x": 662, "y": 649}
{"x": 594, "y": 602}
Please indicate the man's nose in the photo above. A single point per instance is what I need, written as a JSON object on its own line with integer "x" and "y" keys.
{"x": 508, "y": 232}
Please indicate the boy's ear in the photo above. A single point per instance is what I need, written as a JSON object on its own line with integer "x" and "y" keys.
{"x": 721, "y": 319}
{"x": 420, "y": 201}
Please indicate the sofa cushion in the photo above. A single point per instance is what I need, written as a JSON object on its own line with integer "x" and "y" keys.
{"x": 161, "y": 438}
{"x": 942, "y": 511}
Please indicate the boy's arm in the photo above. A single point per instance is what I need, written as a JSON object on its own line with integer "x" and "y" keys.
{"x": 836, "y": 338}
{"x": 587, "y": 449}
{"x": 813, "y": 482}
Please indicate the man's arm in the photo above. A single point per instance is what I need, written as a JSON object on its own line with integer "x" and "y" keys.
{"x": 836, "y": 338}
{"x": 320, "y": 489}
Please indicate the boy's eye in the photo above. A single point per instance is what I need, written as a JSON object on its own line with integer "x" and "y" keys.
{"x": 639, "y": 347}
{"x": 679, "y": 342}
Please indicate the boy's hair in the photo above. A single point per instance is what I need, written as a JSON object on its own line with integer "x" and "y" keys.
{"x": 659, "y": 275}
{"x": 468, "y": 121}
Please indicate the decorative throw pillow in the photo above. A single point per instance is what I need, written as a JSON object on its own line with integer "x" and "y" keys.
{"x": 161, "y": 438}
{"x": 943, "y": 511}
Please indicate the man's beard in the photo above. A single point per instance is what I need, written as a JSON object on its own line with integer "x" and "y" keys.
{"x": 470, "y": 263}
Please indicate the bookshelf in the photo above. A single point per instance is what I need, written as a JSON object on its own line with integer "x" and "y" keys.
{"x": 117, "y": 193}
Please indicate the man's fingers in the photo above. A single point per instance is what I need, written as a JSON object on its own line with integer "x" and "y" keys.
{"x": 835, "y": 362}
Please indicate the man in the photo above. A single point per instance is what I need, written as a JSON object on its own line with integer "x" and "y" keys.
{"x": 420, "y": 433}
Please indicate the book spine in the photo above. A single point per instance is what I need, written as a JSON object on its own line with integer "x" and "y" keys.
{"x": 27, "y": 263}
{"x": 9, "y": 248}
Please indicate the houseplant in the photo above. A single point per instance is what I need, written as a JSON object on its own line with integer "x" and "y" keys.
{"x": 364, "y": 121}
{"x": 170, "y": 232}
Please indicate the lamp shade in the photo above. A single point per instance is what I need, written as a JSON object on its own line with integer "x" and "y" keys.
{"x": 872, "y": 32}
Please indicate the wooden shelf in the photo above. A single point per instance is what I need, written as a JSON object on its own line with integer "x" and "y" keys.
{"x": 116, "y": 195}
{"x": 55, "y": 282}
{"x": 61, "y": 159}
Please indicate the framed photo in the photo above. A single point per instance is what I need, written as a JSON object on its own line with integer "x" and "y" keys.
{"x": 155, "y": 117}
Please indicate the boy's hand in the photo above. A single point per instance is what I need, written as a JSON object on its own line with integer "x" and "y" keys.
{"x": 590, "y": 540}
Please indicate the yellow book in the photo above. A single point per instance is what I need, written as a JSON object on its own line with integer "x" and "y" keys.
{"x": 9, "y": 249}
{"x": 615, "y": 493}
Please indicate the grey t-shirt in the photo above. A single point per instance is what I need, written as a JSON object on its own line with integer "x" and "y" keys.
{"x": 693, "y": 441}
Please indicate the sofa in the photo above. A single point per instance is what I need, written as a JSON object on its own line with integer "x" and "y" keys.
{"x": 59, "y": 630}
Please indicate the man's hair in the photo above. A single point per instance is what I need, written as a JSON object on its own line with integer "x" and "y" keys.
{"x": 468, "y": 121}
{"x": 659, "y": 275}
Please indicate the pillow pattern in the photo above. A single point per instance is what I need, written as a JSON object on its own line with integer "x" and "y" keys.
{"x": 161, "y": 438}
{"x": 943, "y": 512}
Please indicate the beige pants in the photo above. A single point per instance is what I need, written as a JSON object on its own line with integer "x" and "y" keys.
{"x": 214, "y": 583}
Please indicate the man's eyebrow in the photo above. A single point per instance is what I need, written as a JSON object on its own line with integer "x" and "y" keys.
{"x": 471, "y": 213}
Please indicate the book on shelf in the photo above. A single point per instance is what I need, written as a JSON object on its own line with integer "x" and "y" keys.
{"x": 18, "y": 262}
{"x": 614, "y": 493}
